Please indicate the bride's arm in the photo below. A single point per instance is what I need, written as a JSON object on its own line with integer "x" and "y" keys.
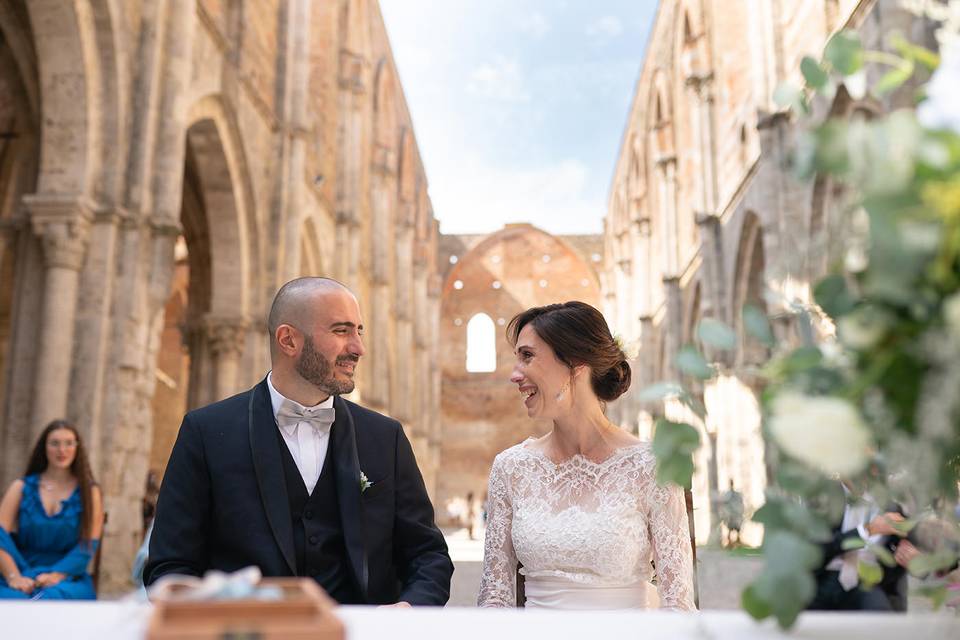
{"x": 670, "y": 537}
{"x": 499, "y": 558}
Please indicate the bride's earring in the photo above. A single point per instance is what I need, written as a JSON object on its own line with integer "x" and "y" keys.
{"x": 562, "y": 392}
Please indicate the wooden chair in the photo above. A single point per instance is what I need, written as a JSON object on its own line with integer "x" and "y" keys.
{"x": 95, "y": 573}
{"x": 688, "y": 498}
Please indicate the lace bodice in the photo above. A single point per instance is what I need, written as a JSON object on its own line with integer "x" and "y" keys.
{"x": 589, "y": 523}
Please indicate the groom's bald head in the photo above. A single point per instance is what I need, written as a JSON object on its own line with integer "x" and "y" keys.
{"x": 294, "y": 303}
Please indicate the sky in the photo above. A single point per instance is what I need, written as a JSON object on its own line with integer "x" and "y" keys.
{"x": 519, "y": 106}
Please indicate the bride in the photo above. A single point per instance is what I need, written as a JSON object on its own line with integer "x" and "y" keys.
{"x": 579, "y": 508}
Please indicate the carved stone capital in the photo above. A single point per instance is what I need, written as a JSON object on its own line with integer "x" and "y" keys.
{"x": 384, "y": 160}
{"x": 352, "y": 67}
{"x": 706, "y": 219}
{"x": 667, "y": 162}
{"x": 701, "y": 83}
{"x": 225, "y": 335}
{"x": 643, "y": 226}
{"x": 63, "y": 224}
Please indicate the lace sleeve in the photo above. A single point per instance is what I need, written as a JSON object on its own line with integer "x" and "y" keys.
{"x": 670, "y": 536}
{"x": 499, "y": 558}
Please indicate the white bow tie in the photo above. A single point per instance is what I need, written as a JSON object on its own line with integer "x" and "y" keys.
{"x": 291, "y": 414}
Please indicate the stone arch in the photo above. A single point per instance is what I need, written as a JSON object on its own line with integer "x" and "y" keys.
{"x": 214, "y": 139}
{"x": 482, "y": 414}
{"x": 407, "y": 183}
{"x": 78, "y": 79}
{"x": 385, "y": 106}
{"x": 749, "y": 285}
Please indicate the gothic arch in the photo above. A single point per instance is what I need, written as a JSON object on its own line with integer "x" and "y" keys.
{"x": 749, "y": 285}
{"x": 223, "y": 173}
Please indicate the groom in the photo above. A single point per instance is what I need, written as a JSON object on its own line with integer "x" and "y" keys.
{"x": 292, "y": 478}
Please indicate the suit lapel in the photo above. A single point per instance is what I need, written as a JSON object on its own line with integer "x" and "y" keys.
{"x": 268, "y": 467}
{"x": 344, "y": 443}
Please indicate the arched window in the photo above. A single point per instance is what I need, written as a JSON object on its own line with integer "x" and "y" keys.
{"x": 481, "y": 344}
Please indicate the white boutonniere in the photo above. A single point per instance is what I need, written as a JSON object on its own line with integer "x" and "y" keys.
{"x": 364, "y": 483}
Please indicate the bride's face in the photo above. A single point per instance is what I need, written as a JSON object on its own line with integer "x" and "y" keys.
{"x": 542, "y": 379}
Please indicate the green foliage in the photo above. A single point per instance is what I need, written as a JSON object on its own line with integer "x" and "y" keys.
{"x": 785, "y": 586}
{"x": 898, "y": 331}
{"x": 717, "y": 334}
{"x": 691, "y": 362}
{"x": 844, "y": 53}
{"x": 756, "y": 324}
{"x": 673, "y": 445}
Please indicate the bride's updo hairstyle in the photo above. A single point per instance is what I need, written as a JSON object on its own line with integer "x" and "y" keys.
{"x": 579, "y": 335}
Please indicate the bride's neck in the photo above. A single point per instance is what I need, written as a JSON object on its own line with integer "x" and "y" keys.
{"x": 582, "y": 432}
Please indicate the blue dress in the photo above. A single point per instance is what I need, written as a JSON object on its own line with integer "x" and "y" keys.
{"x": 45, "y": 544}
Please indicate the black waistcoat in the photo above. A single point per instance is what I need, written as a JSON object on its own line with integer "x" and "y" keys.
{"x": 317, "y": 529}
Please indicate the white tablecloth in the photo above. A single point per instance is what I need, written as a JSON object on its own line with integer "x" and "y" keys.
{"x": 120, "y": 621}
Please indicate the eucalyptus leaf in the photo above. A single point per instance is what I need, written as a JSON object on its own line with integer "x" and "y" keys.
{"x": 844, "y": 53}
{"x": 691, "y": 362}
{"x": 813, "y": 73}
{"x": 870, "y": 574}
{"x": 914, "y": 52}
{"x": 660, "y": 391}
{"x": 673, "y": 445}
{"x": 833, "y": 296}
{"x": 757, "y": 606}
{"x": 894, "y": 78}
{"x": 756, "y": 323}
{"x": 717, "y": 334}
{"x": 849, "y": 544}
{"x": 929, "y": 562}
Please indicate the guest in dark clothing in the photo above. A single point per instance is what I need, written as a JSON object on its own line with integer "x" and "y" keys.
{"x": 838, "y": 582}
{"x": 296, "y": 480}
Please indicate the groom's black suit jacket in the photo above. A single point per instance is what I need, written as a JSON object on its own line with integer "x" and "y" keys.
{"x": 224, "y": 502}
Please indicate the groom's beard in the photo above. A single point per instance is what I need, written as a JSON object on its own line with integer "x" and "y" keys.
{"x": 318, "y": 371}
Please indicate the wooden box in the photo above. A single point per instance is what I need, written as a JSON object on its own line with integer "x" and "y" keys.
{"x": 304, "y": 612}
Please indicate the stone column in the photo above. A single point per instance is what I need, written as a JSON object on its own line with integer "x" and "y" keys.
{"x": 225, "y": 337}
{"x": 353, "y": 93}
{"x": 702, "y": 88}
{"x": 667, "y": 169}
{"x": 673, "y": 325}
{"x": 62, "y": 223}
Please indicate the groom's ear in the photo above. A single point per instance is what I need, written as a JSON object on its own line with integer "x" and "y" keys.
{"x": 287, "y": 340}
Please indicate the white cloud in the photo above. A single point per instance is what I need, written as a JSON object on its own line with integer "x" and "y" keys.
{"x": 475, "y": 196}
{"x": 605, "y": 28}
{"x": 501, "y": 80}
{"x": 533, "y": 24}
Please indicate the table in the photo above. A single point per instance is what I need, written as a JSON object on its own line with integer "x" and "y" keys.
{"x": 123, "y": 621}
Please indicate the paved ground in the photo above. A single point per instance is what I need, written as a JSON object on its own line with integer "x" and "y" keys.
{"x": 722, "y": 575}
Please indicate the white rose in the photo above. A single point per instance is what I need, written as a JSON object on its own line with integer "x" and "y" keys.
{"x": 826, "y": 433}
{"x": 951, "y": 314}
{"x": 862, "y": 329}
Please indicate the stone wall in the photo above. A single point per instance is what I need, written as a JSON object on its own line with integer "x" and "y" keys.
{"x": 266, "y": 141}
{"x": 498, "y": 276}
{"x": 704, "y": 216}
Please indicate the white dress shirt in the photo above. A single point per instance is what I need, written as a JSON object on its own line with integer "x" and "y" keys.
{"x": 307, "y": 444}
{"x": 856, "y": 516}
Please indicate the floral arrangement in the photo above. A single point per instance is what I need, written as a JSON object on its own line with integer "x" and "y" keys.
{"x": 874, "y": 399}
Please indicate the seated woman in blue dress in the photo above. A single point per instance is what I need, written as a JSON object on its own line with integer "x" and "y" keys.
{"x": 51, "y": 521}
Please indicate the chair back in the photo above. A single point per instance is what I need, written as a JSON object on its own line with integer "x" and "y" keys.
{"x": 95, "y": 574}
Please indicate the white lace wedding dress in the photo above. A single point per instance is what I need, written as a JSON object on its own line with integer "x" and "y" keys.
{"x": 585, "y": 533}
